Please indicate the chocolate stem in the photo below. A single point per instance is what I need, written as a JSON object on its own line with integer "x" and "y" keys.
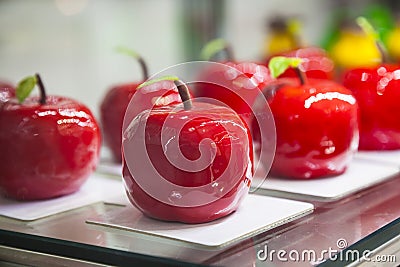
{"x": 228, "y": 52}
{"x": 42, "y": 99}
{"x": 301, "y": 75}
{"x": 184, "y": 94}
{"x": 143, "y": 66}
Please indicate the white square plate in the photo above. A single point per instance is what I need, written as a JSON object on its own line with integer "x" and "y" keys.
{"x": 384, "y": 157}
{"x": 109, "y": 168}
{"x": 256, "y": 214}
{"x": 95, "y": 189}
{"x": 360, "y": 175}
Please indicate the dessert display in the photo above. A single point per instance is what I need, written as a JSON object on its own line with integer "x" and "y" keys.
{"x": 49, "y": 144}
{"x": 190, "y": 162}
{"x": 376, "y": 89}
{"x": 270, "y": 147}
{"x": 316, "y": 124}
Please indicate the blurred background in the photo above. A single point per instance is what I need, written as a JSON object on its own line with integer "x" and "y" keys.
{"x": 71, "y": 43}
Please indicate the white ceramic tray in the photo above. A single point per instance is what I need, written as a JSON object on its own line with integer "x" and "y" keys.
{"x": 360, "y": 175}
{"x": 255, "y": 215}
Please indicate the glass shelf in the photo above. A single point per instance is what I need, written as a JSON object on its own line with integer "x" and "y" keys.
{"x": 367, "y": 220}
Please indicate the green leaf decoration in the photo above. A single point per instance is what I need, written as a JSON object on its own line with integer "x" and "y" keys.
{"x": 368, "y": 28}
{"x": 212, "y": 47}
{"x": 25, "y": 88}
{"x": 374, "y": 35}
{"x": 383, "y": 19}
{"x": 126, "y": 51}
{"x": 278, "y": 65}
{"x": 152, "y": 81}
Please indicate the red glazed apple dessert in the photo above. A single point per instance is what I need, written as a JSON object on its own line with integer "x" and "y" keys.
{"x": 113, "y": 107}
{"x": 316, "y": 124}
{"x": 115, "y": 102}
{"x": 377, "y": 90}
{"x": 233, "y": 83}
{"x": 190, "y": 163}
{"x": 315, "y": 63}
{"x": 49, "y": 144}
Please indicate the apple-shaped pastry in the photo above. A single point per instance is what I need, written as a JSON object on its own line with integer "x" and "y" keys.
{"x": 115, "y": 102}
{"x": 316, "y": 124}
{"x": 49, "y": 144}
{"x": 190, "y": 162}
{"x": 113, "y": 107}
{"x": 235, "y": 84}
{"x": 315, "y": 63}
{"x": 377, "y": 90}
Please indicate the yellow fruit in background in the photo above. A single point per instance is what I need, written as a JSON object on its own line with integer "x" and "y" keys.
{"x": 393, "y": 43}
{"x": 284, "y": 36}
{"x": 355, "y": 49}
{"x": 279, "y": 43}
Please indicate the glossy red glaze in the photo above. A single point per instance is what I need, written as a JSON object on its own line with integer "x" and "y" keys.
{"x": 317, "y": 63}
{"x": 116, "y": 101}
{"x": 46, "y": 150}
{"x": 234, "y": 89}
{"x": 200, "y": 125}
{"x": 377, "y": 91}
{"x": 112, "y": 111}
{"x": 316, "y": 126}
{"x": 7, "y": 91}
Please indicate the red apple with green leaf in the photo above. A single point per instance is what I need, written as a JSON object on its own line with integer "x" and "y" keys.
{"x": 115, "y": 102}
{"x": 316, "y": 124}
{"x": 190, "y": 162}
{"x": 315, "y": 63}
{"x": 49, "y": 144}
{"x": 377, "y": 90}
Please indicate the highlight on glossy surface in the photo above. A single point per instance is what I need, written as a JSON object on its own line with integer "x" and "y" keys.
{"x": 192, "y": 165}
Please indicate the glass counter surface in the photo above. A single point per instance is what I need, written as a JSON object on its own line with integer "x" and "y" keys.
{"x": 364, "y": 221}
